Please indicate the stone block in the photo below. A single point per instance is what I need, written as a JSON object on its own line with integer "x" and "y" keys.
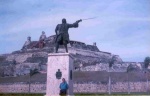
{"x": 60, "y": 65}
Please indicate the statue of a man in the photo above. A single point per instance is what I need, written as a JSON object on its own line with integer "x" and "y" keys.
{"x": 27, "y": 43}
{"x": 42, "y": 40}
{"x": 43, "y": 36}
{"x": 62, "y": 35}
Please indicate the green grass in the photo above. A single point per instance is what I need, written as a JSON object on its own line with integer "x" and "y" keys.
{"x": 111, "y": 95}
{"x": 20, "y": 94}
{"x": 115, "y": 94}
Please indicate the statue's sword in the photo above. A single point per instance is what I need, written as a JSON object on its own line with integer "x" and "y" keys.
{"x": 89, "y": 18}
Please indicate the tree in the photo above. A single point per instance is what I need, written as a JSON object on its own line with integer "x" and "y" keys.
{"x": 130, "y": 68}
{"x": 32, "y": 72}
{"x": 112, "y": 61}
{"x": 146, "y": 64}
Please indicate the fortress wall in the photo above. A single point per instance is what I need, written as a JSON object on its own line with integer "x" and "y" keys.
{"x": 104, "y": 67}
{"x": 88, "y": 53}
{"x": 83, "y": 52}
{"x": 20, "y": 58}
{"x": 79, "y": 87}
{"x": 97, "y": 67}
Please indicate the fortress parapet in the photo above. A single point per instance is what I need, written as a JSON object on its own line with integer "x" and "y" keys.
{"x": 50, "y": 42}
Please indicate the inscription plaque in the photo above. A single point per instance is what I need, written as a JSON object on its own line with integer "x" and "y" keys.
{"x": 58, "y": 74}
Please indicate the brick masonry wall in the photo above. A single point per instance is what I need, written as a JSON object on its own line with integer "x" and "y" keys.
{"x": 22, "y": 88}
{"x": 79, "y": 87}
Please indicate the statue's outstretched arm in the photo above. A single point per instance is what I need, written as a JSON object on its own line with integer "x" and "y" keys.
{"x": 75, "y": 25}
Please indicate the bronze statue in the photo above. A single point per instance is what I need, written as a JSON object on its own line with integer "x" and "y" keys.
{"x": 62, "y": 35}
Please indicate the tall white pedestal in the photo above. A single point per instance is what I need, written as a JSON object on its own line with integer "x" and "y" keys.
{"x": 60, "y": 65}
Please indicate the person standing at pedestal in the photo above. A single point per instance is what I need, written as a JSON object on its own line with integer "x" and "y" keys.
{"x": 63, "y": 87}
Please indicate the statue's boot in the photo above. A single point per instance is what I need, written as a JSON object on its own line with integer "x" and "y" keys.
{"x": 56, "y": 48}
{"x": 66, "y": 47}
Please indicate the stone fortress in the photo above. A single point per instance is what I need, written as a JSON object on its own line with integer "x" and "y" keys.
{"x": 88, "y": 58}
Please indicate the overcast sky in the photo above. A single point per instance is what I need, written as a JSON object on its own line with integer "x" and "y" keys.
{"x": 122, "y": 27}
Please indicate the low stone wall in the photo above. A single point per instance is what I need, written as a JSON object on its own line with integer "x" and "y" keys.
{"x": 79, "y": 87}
{"x": 134, "y": 87}
{"x": 115, "y": 87}
{"x": 90, "y": 88}
{"x": 22, "y": 88}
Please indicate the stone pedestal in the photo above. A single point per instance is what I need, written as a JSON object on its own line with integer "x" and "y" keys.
{"x": 60, "y": 65}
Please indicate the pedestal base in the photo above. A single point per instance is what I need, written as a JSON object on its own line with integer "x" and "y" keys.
{"x": 60, "y": 65}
